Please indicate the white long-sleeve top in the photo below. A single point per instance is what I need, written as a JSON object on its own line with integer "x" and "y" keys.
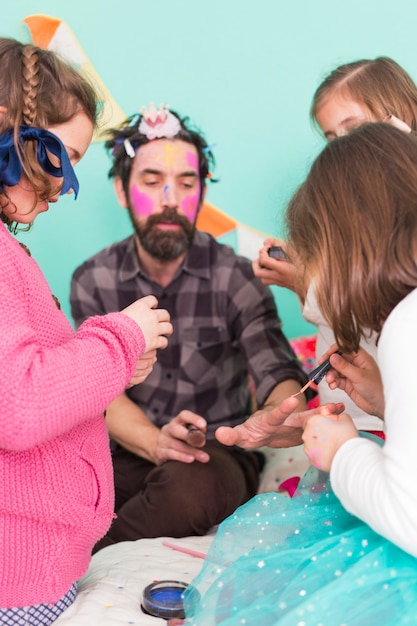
{"x": 376, "y": 484}
{"x": 325, "y": 338}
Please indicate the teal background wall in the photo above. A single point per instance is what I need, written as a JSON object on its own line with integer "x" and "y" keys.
{"x": 243, "y": 71}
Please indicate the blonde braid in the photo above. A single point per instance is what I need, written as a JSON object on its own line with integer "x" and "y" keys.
{"x": 30, "y": 83}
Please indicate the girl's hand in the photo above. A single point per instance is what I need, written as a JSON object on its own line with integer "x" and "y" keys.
{"x": 324, "y": 434}
{"x": 284, "y": 273}
{"x": 154, "y": 323}
{"x": 143, "y": 368}
{"x": 359, "y": 376}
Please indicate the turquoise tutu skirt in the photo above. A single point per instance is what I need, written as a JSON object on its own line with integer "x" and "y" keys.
{"x": 303, "y": 561}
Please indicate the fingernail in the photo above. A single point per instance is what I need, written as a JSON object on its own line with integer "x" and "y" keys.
{"x": 323, "y": 410}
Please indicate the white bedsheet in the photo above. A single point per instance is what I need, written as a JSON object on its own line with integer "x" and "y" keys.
{"x": 110, "y": 593}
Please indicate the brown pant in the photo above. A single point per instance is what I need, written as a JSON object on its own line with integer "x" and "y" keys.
{"x": 179, "y": 499}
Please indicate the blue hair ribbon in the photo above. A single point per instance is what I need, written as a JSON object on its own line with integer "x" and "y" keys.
{"x": 11, "y": 168}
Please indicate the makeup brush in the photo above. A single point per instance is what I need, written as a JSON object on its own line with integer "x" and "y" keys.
{"x": 317, "y": 374}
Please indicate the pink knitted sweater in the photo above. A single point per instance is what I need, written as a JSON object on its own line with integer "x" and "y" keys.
{"x": 56, "y": 482}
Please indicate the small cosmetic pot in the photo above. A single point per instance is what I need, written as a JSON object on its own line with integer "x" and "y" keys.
{"x": 165, "y": 599}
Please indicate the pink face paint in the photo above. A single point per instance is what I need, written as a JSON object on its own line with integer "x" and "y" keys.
{"x": 190, "y": 205}
{"x": 142, "y": 203}
{"x": 192, "y": 160}
{"x": 315, "y": 457}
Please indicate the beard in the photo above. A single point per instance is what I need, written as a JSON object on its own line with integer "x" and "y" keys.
{"x": 164, "y": 245}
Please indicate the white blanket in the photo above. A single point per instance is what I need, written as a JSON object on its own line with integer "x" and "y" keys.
{"x": 110, "y": 593}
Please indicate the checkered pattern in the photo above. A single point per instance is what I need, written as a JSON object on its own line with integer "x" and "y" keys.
{"x": 39, "y": 614}
{"x": 225, "y": 324}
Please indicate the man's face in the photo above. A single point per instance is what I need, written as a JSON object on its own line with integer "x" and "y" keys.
{"x": 164, "y": 196}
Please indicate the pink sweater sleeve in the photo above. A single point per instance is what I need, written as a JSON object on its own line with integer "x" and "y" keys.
{"x": 52, "y": 378}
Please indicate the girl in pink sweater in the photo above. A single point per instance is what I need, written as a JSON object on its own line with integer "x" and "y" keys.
{"x": 56, "y": 487}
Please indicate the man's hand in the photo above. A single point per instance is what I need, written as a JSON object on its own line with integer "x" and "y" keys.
{"x": 280, "y": 427}
{"x": 172, "y": 443}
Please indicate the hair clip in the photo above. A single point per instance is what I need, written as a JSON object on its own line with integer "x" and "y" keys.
{"x": 117, "y": 145}
{"x": 129, "y": 149}
{"x": 158, "y": 123}
{"x": 208, "y": 149}
{"x": 134, "y": 120}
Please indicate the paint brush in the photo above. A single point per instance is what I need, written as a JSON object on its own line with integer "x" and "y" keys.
{"x": 316, "y": 375}
{"x": 174, "y": 546}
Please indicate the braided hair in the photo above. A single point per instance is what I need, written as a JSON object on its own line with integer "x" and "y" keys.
{"x": 38, "y": 89}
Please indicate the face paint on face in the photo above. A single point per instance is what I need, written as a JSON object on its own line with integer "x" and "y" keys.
{"x": 169, "y": 154}
{"x": 174, "y": 152}
{"x": 192, "y": 160}
{"x": 142, "y": 203}
{"x": 165, "y": 175}
{"x": 166, "y": 193}
{"x": 190, "y": 205}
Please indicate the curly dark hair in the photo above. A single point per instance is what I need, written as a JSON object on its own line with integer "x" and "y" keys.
{"x": 129, "y": 129}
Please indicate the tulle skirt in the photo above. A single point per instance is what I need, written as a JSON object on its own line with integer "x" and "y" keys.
{"x": 303, "y": 561}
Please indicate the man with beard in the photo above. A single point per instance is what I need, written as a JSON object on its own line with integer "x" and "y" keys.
{"x": 172, "y": 477}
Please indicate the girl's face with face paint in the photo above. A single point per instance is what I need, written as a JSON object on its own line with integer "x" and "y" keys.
{"x": 165, "y": 175}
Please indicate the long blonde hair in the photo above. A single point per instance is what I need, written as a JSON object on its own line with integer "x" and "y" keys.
{"x": 353, "y": 223}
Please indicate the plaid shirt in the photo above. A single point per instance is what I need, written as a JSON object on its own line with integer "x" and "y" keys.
{"x": 225, "y": 323}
